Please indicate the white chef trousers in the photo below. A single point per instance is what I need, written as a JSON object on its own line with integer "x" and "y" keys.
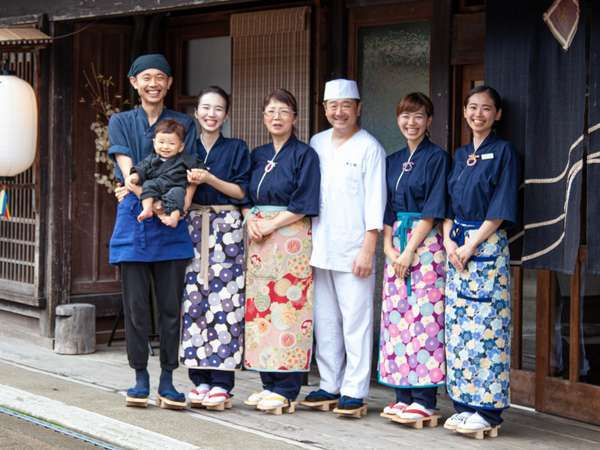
{"x": 343, "y": 315}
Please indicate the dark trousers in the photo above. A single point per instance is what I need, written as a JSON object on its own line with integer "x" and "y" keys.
{"x": 138, "y": 278}
{"x": 426, "y": 397}
{"x": 283, "y": 383}
{"x": 222, "y": 378}
{"x": 491, "y": 415}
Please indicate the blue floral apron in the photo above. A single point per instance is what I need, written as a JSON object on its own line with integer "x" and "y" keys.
{"x": 478, "y": 322}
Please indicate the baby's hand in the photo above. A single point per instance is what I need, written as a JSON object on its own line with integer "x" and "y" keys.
{"x": 134, "y": 178}
{"x": 198, "y": 176}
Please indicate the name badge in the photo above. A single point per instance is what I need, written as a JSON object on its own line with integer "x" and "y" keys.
{"x": 485, "y": 156}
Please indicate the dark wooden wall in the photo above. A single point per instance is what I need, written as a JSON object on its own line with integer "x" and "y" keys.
{"x": 104, "y": 47}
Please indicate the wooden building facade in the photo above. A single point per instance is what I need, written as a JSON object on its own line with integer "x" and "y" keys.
{"x": 55, "y": 249}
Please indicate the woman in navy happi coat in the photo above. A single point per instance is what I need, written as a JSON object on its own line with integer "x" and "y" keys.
{"x": 212, "y": 338}
{"x": 483, "y": 189}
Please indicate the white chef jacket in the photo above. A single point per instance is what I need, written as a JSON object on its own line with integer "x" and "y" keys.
{"x": 353, "y": 196}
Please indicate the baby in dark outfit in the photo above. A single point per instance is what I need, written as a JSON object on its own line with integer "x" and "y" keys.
{"x": 163, "y": 174}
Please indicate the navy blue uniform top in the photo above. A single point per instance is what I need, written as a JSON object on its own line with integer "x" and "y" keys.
{"x": 151, "y": 240}
{"x": 130, "y": 134}
{"x": 294, "y": 181}
{"x": 229, "y": 160}
{"x": 488, "y": 190}
{"x": 423, "y": 188}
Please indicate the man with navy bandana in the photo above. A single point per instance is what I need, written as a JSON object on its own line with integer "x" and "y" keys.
{"x": 150, "y": 254}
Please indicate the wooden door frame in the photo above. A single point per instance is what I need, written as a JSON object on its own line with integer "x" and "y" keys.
{"x": 521, "y": 380}
{"x": 92, "y": 288}
{"x": 377, "y": 16}
{"x": 185, "y": 28}
{"x": 569, "y": 398}
{"x": 439, "y": 14}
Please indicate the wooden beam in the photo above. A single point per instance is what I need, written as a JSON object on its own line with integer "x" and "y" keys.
{"x": 21, "y": 296}
{"x": 19, "y": 310}
{"x": 575, "y": 323}
{"x": 440, "y": 70}
{"x": 321, "y": 65}
{"x": 58, "y": 260}
{"x": 339, "y": 46}
{"x": 468, "y": 38}
{"x": 517, "y": 318}
{"x": 578, "y": 401}
{"x": 522, "y": 390}
{"x": 545, "y": 292}
{"x": 64, "y": 10}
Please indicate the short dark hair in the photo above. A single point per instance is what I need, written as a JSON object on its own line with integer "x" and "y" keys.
{"x": 170, "y": 126}
{"x": 284, "y": 96}
{"x": 493, "y": 93}
{"x": 216, "y": 90}
{"x": 414, "y": 102}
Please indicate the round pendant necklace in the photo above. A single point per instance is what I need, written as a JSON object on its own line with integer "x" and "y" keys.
{"x": 473, "y": 157}
{"x": 406, "y": 167}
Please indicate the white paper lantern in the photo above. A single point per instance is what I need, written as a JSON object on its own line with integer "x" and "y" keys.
{"x": 18, "y": 125}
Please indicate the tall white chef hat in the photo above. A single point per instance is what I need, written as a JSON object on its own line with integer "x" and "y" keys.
{"x": 341, "y": 88}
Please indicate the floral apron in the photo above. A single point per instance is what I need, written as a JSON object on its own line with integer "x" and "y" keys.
{"x": 213, "y": 299}
{"x": 279, "y": 298}
{"x": 411, "y": 343}
{"x": 478, "y": 322}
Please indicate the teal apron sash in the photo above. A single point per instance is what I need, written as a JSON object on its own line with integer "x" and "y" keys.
{"x": 405, "y": 223}
{"x": 263, "y": 208}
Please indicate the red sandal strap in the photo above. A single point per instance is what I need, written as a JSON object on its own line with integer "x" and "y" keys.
{"x": 417, "y": 411}
{"x": 219, "y": 394}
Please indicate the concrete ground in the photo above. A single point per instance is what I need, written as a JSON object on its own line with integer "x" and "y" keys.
{"x": 16, "y": 434}
{"x": 86, "y": 393}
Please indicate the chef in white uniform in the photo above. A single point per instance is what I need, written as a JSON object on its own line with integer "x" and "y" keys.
{"x": 353, "y": 196}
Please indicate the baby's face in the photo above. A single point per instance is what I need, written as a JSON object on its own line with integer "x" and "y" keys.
{"x": 167, "y": 145}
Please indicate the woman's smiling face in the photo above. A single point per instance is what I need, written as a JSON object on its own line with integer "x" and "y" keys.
{"x": 279, "y": 118}
{"x": 413, "y": 125}
{"x": 211, "y": 112}
{"x": 480, "y": 112}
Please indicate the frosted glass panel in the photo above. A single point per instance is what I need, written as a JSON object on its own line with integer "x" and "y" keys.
{"x": 208, "y": 62}
{"x": 393, "y": 61}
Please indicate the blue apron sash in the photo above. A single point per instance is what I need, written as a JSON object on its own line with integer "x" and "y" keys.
{"x": 460, "y": 227}
{"x": 458, "y": 233}
{"x": 405, "y": 223}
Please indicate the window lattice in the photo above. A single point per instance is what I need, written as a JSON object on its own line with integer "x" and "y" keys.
{"x": 18, "y": 235}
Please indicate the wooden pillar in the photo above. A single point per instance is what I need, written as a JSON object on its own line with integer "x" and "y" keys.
{"x": 338, "y": 39}
{"x": 42, "y": 181}
{"x": 320, "y": 64}
{"x": 58, "y": 176}
{"x": 441, "y": 38}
